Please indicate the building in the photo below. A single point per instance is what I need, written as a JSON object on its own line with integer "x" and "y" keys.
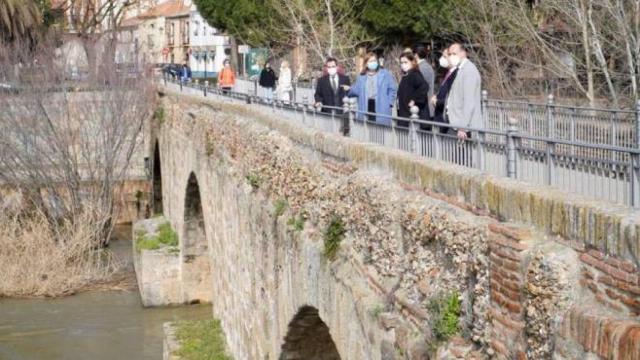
{"x": 207, "y": 47}
{"x": 176, "y": 41}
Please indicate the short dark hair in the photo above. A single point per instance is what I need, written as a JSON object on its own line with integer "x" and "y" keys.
{"x": 421, "y": 51}
{"x": 331, "y": 59}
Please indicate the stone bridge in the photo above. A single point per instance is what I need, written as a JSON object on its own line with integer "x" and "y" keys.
{"x": 315, "y": 246}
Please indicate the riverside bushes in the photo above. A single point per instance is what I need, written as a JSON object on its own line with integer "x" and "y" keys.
{"x": 40, "y": 259}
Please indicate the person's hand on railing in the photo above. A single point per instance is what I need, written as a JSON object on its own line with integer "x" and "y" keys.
{"x": 412, "y": 103}
{"x": 462, "y": 135}
{"x": 318, "y": 105}
{"x": 434, "y": 100}
{"x": 345, "y": 87}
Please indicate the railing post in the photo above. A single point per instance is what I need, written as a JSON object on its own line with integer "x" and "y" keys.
{"x": 333, "y": 121}
{"x": 484, "y": 106}
{"x": 313, "y": 109}
{"x": 180, "y": 84}
{"x": 511, "y": 147}
{"x": 635, "y": 163}
{"x": 206, "y": 87}
{"x": 304, "y": 108}
{"x": 295, "y": 91}
{"x": 413, "y": 129}
{"x": 353, "y": 107}
{"x": 550, "y": 143}
{"x": 255, "y": 87}
{"x": 346, "y": 115}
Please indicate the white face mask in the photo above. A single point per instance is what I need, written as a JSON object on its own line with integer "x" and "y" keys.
{"x": 454, "y": 60}
{"x": 405, "y": 67}
{"x": 332, "y": 71}
{"x": 444, "y": 62}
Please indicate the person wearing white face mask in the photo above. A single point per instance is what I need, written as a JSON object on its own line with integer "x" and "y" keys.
{"x": 463, "y": 105}
{"x": 331, "y": 88}
{"x": 413, "y": 90}
{"x": 438, "y": 100}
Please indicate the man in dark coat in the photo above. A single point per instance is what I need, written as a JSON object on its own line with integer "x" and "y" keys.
{"x": 331, "y": 88}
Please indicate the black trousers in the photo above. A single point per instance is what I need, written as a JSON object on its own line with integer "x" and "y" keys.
{"x": 371, "y": 107}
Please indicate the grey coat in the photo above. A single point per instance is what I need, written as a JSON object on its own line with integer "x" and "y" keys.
{"x": 429, "y": 75}
{"x": 463, "y": 106}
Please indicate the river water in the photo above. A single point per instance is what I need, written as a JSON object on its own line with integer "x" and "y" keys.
{"x": 98, "y": 325}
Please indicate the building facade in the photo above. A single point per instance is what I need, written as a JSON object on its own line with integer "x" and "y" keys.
{"x": 207, "y": 47}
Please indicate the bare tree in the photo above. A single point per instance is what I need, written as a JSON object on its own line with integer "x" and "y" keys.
{"x": 591, "y": 43}
{"x": 67, "y": 143}
{"x": 324, "y": 28}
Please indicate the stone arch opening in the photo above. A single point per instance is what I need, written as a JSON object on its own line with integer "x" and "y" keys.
{"x": 308, "y": 338}
{"x": 156, "y": 183}
{"x": 196, "y": 266}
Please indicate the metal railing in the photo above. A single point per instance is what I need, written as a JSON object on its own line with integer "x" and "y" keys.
{"x": 555, "y": 152}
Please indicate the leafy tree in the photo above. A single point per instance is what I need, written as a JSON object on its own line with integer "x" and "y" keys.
{"x": 250, "y": 21}
{"x": 407, "y": 21}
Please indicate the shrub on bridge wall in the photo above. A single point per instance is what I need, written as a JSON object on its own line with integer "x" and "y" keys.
{"x": 279, "y": 207}
{"x": 332, "y": 238}
{"x": 445, "y": 315}
{"x": 158, "y": 115}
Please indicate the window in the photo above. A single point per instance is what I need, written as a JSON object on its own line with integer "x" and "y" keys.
{"x": 195, "y": 29}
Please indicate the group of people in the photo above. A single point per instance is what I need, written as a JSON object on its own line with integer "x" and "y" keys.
{"x": 457, "y": 100}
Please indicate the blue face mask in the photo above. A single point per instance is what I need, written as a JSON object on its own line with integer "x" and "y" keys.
{"x": 373, "y": 66}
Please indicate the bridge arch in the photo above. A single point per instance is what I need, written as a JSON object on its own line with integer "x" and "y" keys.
{"x": 308, "y": 338}
{"x": 196, "y": 266}
{"x": 156, "y": 183}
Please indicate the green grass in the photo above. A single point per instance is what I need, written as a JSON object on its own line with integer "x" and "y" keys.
{"x": 297, "y": 223}
{"x": 445, "y": 314}
{"x": 166, "y": 237}
{"x": 279, "y": 207}
{"x": 332, "y": 238}
{"x": 201, "y": 340}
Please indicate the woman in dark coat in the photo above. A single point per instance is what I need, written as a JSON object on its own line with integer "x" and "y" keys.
{"x": 413, "y": 90}
{"x": 268, "y": 80}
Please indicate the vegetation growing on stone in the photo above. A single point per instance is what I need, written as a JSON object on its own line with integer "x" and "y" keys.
{"x": 376, "y": 311}
{"x": 253, "y": 180}
{"x": 158, "y": 114}
{"x": 445, "y": 314}
{"x": 166, "y": 236}
{"x": 279, "y": 207}
{"x": 201, "y": 340}
{"x": 296, "y": 222}
{"x": 332, "y": 238}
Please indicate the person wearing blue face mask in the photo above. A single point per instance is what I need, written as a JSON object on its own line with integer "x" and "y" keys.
{"x": 376, "y": 90}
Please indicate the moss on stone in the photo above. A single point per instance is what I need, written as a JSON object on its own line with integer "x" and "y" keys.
{"x": 201, "y": 340}
{"x": 166, "y": 237}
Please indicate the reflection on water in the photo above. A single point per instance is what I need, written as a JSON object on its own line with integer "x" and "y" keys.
{"x": 107, "y": 325}
{"x": 94, "y": 325}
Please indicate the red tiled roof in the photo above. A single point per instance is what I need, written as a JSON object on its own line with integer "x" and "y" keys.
{"x": 131, "y": 22}
{"x": 169, "y": 8}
